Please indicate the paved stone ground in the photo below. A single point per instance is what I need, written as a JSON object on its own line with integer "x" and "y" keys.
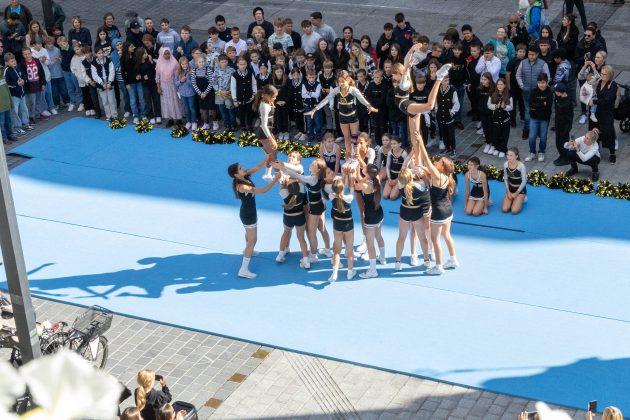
{"x": 226, "y": 378}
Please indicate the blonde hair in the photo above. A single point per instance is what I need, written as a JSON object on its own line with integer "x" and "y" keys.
{"x": 399, "y": 69}
{"x": 145, "y": 379}
{"x": 406, "y": 177}
{"x": 180, "y": 71}
{"x": 612, "y": 413}
{"x": 448, "y": 168}
{"x": 337, "y": 189}
{"x": 257, "y": 29}
{"x": 609, "y": 70}
{"x": 593, "y": 134}
{"x": 357, "y": 63}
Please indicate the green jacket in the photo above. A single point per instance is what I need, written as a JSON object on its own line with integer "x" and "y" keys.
{"x": 5, "y": 94}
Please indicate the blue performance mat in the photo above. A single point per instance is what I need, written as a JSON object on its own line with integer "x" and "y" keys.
{"x": 138, "y": 223}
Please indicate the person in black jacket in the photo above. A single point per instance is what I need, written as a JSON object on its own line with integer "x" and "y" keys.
{"x": 282, "y": 111}
{"x": 569, "y": 35}
{"x": 146, "y": 71}
{"x": 384, "y": 43}
{"x": 148, "y": 400}
{"x": 564, "y": 122}
{"x": 473, "y": 81}
{"x": 397, "y": 119}
{"x": 540, "y": 104}
{"x": 515, "y": 89}
{"x": 458, "y": 75}
{"x": 327, "y": 80}
{"x": 376, "y": 95}
{"x": 339, "y": 55}
{"x": 605, "y": 97}
{"x": 17, "y": 81}
{"x": 587, "y": 47}
{"x": 420, "y": 95}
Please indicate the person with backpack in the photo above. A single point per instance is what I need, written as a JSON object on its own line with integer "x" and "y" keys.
{"x": 535, "y": 19}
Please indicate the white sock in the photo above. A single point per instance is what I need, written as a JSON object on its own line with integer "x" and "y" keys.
{"x": 372, "y": 264}
{"x": 268, "y": 171}
{"x": 453, "y": 258}
{"x": 282, "y": 253}
{"x": 335, "y": 270}
{"x": 381, "y": 249}
{"x": 245, "y": 263}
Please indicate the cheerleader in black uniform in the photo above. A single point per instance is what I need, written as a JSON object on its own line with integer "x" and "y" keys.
{"x": 515, "y": 177}
{"x": 329, "y": 151}
{"x": 314, "y": 183}
{"x": 441, "y": 190}
{"x": 365, "y": 157}
{"x": 293, "y": 217}
{"x": 343, "y": 225}
{"x": 369, "y": 187}
{"x": 245, "y": 190}
{"x": 347, "y": 96}
{"x": 381, "y": 155}
{"x": 395, "y": 159}
{"x": 264, "y": 100}
{"x": 477, "y": 191}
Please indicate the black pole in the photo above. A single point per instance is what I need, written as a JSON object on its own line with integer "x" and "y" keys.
{"x": 15, "y": 269}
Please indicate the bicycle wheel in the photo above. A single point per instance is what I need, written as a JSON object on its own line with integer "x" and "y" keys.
{"x": 97, "y": 358}
{"x": 54, "y": 343}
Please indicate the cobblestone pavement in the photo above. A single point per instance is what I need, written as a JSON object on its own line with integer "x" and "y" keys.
{"x": 227, "y": 378}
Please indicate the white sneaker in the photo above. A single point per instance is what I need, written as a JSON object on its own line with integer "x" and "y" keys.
{"x": 136, "y": 121}
{"x": 382, "y": 260}
{"x": 350, "y": 274}
{"x": 427, "y": 263}
{"x": 479, "y": 131}
{"x": 303, "y": 137}
{"x": 158, "y": 120}
{"x": 369, "y": 274}
{"x": 496, "y": 152}
{"x": 126, "y": 115}
{"x": 255, "y": 253}
{"x": 326, "y": 252}
{"x": 297, "y": 136}
{"x": 451, "y": 264}
{"x": 281, "y": 257}
{"x": 53, "y": 111}
{"x": 313, "y": 259}
{"x": 188, "y": 125}
{"x": 267, "y": 177}
{"x": 246, "y": 274}
{"x": 593, "y": 117}
{"x": 486, "y": 148}
{"x": 88, "y": 113}
{"x": 287, "y": 136}
{"x": 193, "y": 127}
{"x": 70, "y": 107}
{"x": 80, "y": 108}
{"x": 501, "y": 154}
{"x": 152, "y": 121}
{"x": 582, "y": 119}
{"x": 479, "y": 125}
{"x": 305, "y": 263}
{"x": 340, "y": 265}
{"x": 413, "y": 261}
{"x": 205, "y": 126}
{"x": 541, "y": 157}
{"x": 398, "y": 266}
{"x": 332, "y": 278}
{"x": 362, "y": 247}
{"x": 530, "y": 157}
{"x": 491, "y": 150}
{"x": 46, "y": 114}
{"x": 442, "y": 146}
{"x": 442, "y": 72}
{"x": 215, "y": 126}
{"x": 616, "y": 144}
{"x": 436, "y": 270}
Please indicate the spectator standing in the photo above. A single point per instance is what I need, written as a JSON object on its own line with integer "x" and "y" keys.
{"x": 468, "y": 38}
{"x": 36, "y": 82}
{"x": 186, "y": 44}
{"x": 564, "y": 122}
{"x": 59, "y": 89}
{"x": 24, "y": 14}
{"x": 540, "y": 105}
{"x": 225, "y": 33}
{"x": 259, "y": 20}
{"x": 459, "y": 79}
{"x": 55, "y": 27}
{"x": 5, "y": 110}
{"x": 109, "y": 27}
{"x": 79, "y": 71}
{"x": 134, "y": 33}
{"x": 384, "y": 43}
{"x": 606, "y": 95}
{"x": 167, "y": 37}
{"x": 34, "y": 29}
{"x": 322, "y": 28}
{"x": 288, "y": 29}
{"x": 78, "y": 33}
{"x": 516, "y": 30}
{"x": 236, "y": 42}
{"x": 402, "y": 33}
{"x": 186, "y": 91}
{"x": 309, "y": 37}
{"x": 500, "y": 104}
{"x": 17, "y": 81}
{"x": 447, "y": 106}
{"x": 104, "y": 74}
{"x": 489, "y": 63}
{"x": 527, "y": 79}
{"x": 534, "y": 18}
{"x": 149, "y": 400}
{"x": 13, "y": 32}
{"x": 279, "y": 36}
{"x": 503, "y": 49}
{"x": 149, "y": 28}
{"x": 568, "y": 36}
{"x": 165, "y": 73}
{"x": 580, "y": 6}
{"x": 40, "y": 53}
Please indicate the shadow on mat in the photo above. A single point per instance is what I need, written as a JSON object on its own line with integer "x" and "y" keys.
{"x": 575, "y": 384}
{"x": 193, "y": 273}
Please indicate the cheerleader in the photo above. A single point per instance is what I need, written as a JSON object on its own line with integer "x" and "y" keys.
{"x": 477, "y": 190}
{"x": 330, "y": 153}
{"x": 314, "y": 183}
{"x": 264, "y": 100}
{"x": 365, "y": 157}
{"x": 381, "y": 155}
{"x": 369, "y": 187}
{"x": 293, "y": 217}
{"x": 395, "y": 159}
{"x": 343, "y": 225}
{"x": 441, "y": 191}
{"x": 245, "y": 190}
{"x": 347, "y": 96}
{"x": 515, "y": 177}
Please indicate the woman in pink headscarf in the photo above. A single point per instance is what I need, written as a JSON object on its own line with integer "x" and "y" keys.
{"x": 165, "y": 73}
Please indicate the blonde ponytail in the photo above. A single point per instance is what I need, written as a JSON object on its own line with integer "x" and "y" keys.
{"x": 405, "y": 176}
{"x": 145, "y": 379}
{"x": 337, "y": 188}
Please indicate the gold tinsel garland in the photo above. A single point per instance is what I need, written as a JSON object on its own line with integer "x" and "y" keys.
{"x": 557, "y": 182}
{"x": 179, "y": 131}
{"x": 226, "y": 137}
{"x": 578, "y": 186}
{"x": 493, "y": 173}
{"x": 536, "y": 178}
{"x": 144, "y": 126}
{"x": 117, "y": 122}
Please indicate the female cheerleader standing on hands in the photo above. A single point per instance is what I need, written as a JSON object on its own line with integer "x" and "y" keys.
{"x": 265, "y": 101}
{"x": 370, "y": 189}
{"x": 245, "y": 190}
{"x": 515, "y": 176}
{"x": 343, "y": 225}
{"x": 347, "y": 96}
{"x": 442, "y": 190}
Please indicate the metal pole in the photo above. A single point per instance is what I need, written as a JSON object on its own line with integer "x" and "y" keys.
{"x": 15, "y": 269}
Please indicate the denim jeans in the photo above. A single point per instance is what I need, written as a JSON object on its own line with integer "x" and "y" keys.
{"x": 227, "y": 116}
{"x": 5, "y": 125}
{"x": 136, "y": 100}
{"x": 190, "y": 108}
{"x": 21, "y": 111}
{"x": 59, "y": 91}
{"x": 399, "y": 128}
{"x": 72, "y": 86}
{"x": 48, "y": 97}
{"x": 461, "y": 91}
{"x": 526, "y": 94}
{"x": 123, "y": 88}
{"x": 314, "y": 123}
{"x": 36, "y": 103}
{"x": 538, "y": 128}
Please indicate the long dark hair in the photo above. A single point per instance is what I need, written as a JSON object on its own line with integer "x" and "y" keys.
{"x": 337, "y": 192}
{"x": 495, "y": 92}
{"x": 232, "y": 170}
{"x": 293, "y": 188}
{"x": 137, "y": 55}
{"x": 267, "y": 90}
{"x": 370, "y": 48}
{"x": 372, "y": 172}
{"x": 275, "y": 80}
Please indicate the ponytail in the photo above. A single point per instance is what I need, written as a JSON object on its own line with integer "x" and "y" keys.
{"x": 594, "y": 134}
{"x": 141, "y": 398}
{"x": 405, "y": 176}
{"x": 145, "y": 379}
{"x": 337, "y": 188}
{"x": 448, "y": 169}
{"x": 372, "y": 173}
{"x": 294, "y": 190}
{"x": 267, "y": 92}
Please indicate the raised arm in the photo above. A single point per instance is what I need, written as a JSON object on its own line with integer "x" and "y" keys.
{"x": 258, "y": 167}
{"x": 427, "y": 160}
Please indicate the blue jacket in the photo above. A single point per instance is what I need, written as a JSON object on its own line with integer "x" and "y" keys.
{"x": 532, "y": 18}
{"x": 187, "y": 47}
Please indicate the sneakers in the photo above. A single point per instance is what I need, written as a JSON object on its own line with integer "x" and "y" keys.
{"x": 136, "y": 120}
{"x": 19, "y": 132}
{"x": 70, "y": 107}
{"x": 443, "y": 71}
{"x": 313, "y": 259}
{"x": 525, "y": 135}
{"x": 541, "y": 157}
{"x": 152, "y": 121}
{"x": 491, "y": 150}
{"x": 305, "y": 263}
{"x": 479, "y": 131}
{"x": 530, "y": 157}
{"x": 80, "y": 108}
{"x": 303, "y": 137}
{"x": 442, "y": 146}
{"x": 571, "y": 172}
{"x": 413, "y": 261}
{"x": 398, "y": 266}
{"x": 280, "y": 258}
{"x": 451, "y": 264}
{"x": 188, "y": 125}
{"x": 436, "y": 270}
{"x": 453, "y": 154}
{"x": 427, "y": 263}
{"x": 612, "y": 159}
{"x": 486, "y": 148}
{"x": 215, "y": 126}
{"x": 54, "y": 111}
{"x": 205, "y": 126}
{"x": 326, "y": 252}
{"x": 46, "y": 114}
{"x": 246, "y": 274}
{"x": 298, "y": 135}
{"x": 193, "y": 127}
{"x": 501, "y": 154}
{"x": 382, "y": 260}
{"x": 158, "y": 120}
{"x": 495, "y": 153}
{"x": 29, "y": 128}
{"x": 582, "y": 119}
{"x": 350, "y": 274}
{"x": 431, "y": 143}
{"x": 362, "y": 247}
{"x": 595, "y": 176}
{"x": 369, "y": 274}
{"x": 267, "y": 177}
{"x": 125, "y": 115}
{"x": 332, "y": 278}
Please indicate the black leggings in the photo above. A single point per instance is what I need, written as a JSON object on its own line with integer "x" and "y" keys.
{"x": 517, "y": 96}
{"x": 246, "y": 115}
{"x": 580, "y": 6}
{"x": 152, "y": 102}
{"x": 500, "y": 135}
{"x": 447, "y": 135}
{"x": 573, "y": 157}
{"x": 281, "y": 119}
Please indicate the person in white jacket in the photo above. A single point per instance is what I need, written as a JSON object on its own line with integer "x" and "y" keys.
{"x": 489, "y": 63}
{"x": 104, "y": 74}
{"x": 584, "y": 150}
{"x": 77, "y": 68}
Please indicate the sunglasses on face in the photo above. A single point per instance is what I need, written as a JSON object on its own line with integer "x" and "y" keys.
{"x": 513, "y": 22}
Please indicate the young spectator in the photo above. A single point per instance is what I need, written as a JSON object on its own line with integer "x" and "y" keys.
{"x": 146, "y": 70}
{"x": 447, "y": 49}
{"x": 384, "y": 43}
{"x": 259, "y": 20}
{"x": 515, "y": 179}
{"x": 322, "y": 53}
{"x": 503, "y": 49}
{"x": 469, "y": 38}
{"x": 59, "y": 89}
{"x": 264, "y": 76}
{"x": 564, "y": 121}
{"x": 243, "y": 89}
{"x": 70, "y": 80}
{"x": 109, "y": 27}
{"x": 489, "y": 63}
{"x": 130, "y": 69}
{"x": 13, "y": 32}
{"x": 165, "y": 73}
{"x": 376, "y": 94}
{"x": 339, "y": 55}
{"x": 92, "y": 91}
{"x": 447, "y": 106}
{"x": 281, "y": 114}
{"x": 148, "y": 399}
{"x": 22, "y": 12}
{"x": 362, "y": 113}
{"x": 103, "y": 73}
{"x": 394, "y": 55}
{"x": 78, "y": 33}
{"x": 151, "y": 48}
{"x": 130, "y": 413}
{"x": 186, "y": 44}
{"x": 225, "y": 33}
{"x": 420, "y": 95}
{"x": 309, "y": 37}
{"x": 36, "y": 86}
{"x": 222, "y": 85}
{"x": 79, "y": 71}
{"x": 564, "y": 71}
{"x": 484, "y": 91}
{"x": 527, "y": 78}
{"x": 569, "y": 35}
{"x": 500, "y": 104}
{"x": 402, "y": 33}
{"x": 477, "y": 197}
{"x": 296, "y": 104}
{"x": 545, "y": 51}
{"x": 533, "y": 18}
{"x": 40, "y": 53}
{"x": 236, "y": 42}
{"x": 540, "y": 104}
{"x": 515, "y": 90}
{"x": 459, "y": 79}
{"x": 547, "y": 33}
{"x": 472, "y": 88}
{"x": 585, "y": 151}
{"x": 230, "y": 52}
{"x": 366, "y": 46}
{"x": 359, "y": 60}
{"x": 202, "y": 83}
{"x": 420, "y": 53}
{"x": 288, "y": 29}
{"x": 323, "y": 29}
{"x": 34, "y": 29}
{"x": 185, "y": 89}
{"x": 16, "y": 80}
{"x": 103, "y": 42}
{"x": 168, "y": 38}
{"x": 120, "y": 90}
{"x": 311, "y": 92}
{"x": 516, "y": 30}
{"x": 279, "y": 36}
{"x": 587, "y": 47}
{"x": 134, "y": 34}
{"x": 149, "y": 28}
